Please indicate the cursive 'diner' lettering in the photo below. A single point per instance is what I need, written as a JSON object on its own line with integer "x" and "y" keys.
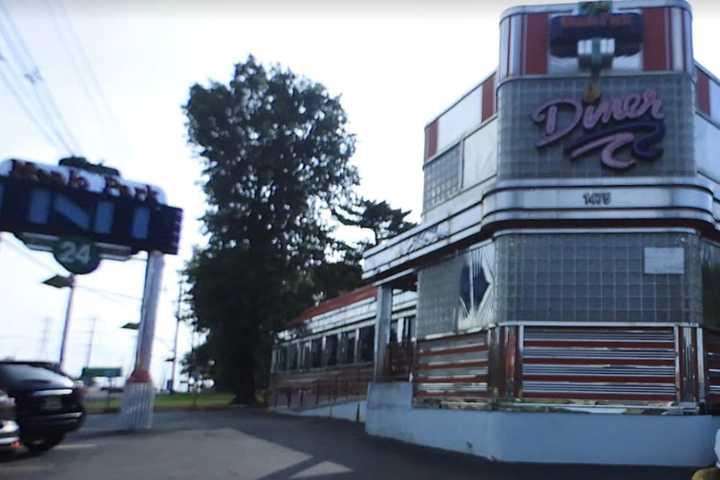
{"x": 634, "y": 120}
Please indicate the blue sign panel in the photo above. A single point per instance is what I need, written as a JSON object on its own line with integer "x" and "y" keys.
{"x": 115, "y": 213}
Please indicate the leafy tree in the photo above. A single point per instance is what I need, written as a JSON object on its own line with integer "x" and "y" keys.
{"x": 275, "y": 154}
{"x": 379, "y": 217}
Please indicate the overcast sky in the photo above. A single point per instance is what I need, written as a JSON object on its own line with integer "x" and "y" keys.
{"x": 397, "y": 64}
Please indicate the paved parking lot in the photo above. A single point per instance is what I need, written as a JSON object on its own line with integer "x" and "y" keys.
{"x": 246, "y": 444}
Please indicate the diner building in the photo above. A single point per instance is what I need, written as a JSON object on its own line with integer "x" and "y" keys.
{"x": 565, "y": 276}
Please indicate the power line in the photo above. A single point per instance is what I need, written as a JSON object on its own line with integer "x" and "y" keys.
{"x": 21, "y": 102}
{"x": 64, "y": 35}
{"x": 113, "y": 124}
{"x": 29, "y": 256}
{"x": 31, "y": 73}
{"x": 109, "y": 293}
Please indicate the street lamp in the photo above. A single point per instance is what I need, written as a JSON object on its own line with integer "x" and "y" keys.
{"x": 59, "y": 281}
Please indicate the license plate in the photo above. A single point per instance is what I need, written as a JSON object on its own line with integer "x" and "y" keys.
{"x": 52, "y": 403}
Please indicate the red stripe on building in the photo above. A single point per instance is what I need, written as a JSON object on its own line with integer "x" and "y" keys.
{"x": 536, "y": 44}
{"x": 599, "y": 344}
{"x": 451, "y": 394}
{"x": 600, "y": 396}
{"x": 431, "y": 139}
{"x": 335, "y": 303}
{"x": 600, "y": 361}
{"x": 488, "y": 97}
{"x": 452, "y": 351}
{"x": 703, "y": 92}
{"x": 451, "y": 366}
{"x": 469, "y": 379}
{"x": 599, "y": 379}
{"x": 655, "y": 39}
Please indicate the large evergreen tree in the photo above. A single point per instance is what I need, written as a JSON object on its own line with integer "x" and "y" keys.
{"x": 275, "y": 154}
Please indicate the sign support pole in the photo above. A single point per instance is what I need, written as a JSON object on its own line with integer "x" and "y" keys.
{"x": 139, "y": 393}
{"x": 66, "y": 326}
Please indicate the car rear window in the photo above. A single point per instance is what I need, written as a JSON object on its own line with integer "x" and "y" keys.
{"x": 18, "y": 376}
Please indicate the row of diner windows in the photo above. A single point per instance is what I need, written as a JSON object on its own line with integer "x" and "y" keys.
{"x": 338, "y": 348}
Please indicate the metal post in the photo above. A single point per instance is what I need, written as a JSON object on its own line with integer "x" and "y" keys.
{"x": 66, "y": 326}
{"x": 383, "y": 316}
{"x": 175, "y": 341}
{"x": 90, "y": 343}
{"x": 139, "y": 392}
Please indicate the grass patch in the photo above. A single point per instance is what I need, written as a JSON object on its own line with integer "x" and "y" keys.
{"x": 177, "y": 401}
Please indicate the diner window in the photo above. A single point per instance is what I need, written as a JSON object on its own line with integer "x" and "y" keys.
{"x": 394, "y": 331}
{"x": 316, "y": 353}
{"x": 366, "y": 344}
{"x": 331, "y": 350}
{"x": 293, "y": 357}
{"x": 408, "y": 328}
{"x": 282, "y": 359}
{"x": 348, "y": 346}
{"x": 307, "y": 357}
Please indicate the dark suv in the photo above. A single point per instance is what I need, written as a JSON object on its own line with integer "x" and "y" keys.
{"x": 48, "y": 403}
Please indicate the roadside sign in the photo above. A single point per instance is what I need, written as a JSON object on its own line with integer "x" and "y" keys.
{"x": 106, "y": 372}
{"x": 60, "y": 201}
{"x": 77, "y": 255}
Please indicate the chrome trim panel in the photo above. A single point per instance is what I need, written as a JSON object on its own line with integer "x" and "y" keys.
{"x": 52, "y": 393}
{"x": 570, "y": 8}
{"x": 681, "y": 198}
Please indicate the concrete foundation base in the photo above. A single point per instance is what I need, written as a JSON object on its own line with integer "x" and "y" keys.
{"x": 353, "y": 411}
{"x": 592, "y": 438}
{"x": 137, "y": 406}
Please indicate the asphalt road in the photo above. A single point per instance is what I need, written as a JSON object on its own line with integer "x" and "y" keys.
{"x": 246, "y": 444}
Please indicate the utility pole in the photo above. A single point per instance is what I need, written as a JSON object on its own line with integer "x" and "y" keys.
{"x": 90, "y": 343}
{"x": 59, "y": 281}
{"x": 175, "y": 342}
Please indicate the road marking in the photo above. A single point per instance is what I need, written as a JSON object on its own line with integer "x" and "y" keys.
{"x": 76, "y": 446}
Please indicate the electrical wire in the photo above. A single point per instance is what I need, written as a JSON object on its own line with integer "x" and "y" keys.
{"x": 26, "y": 109}
{"x": 113, "y": 125}
{"x": 31, "y": 73}
{"x": 63, "y": 35}
{"x": 21, "y": 250}
{"x": 108, "y": 293}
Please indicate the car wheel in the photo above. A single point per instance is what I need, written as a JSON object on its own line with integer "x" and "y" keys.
{"x": 42, "y": 443}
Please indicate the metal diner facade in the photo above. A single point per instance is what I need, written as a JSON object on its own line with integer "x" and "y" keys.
{"x": 568, "y": 261}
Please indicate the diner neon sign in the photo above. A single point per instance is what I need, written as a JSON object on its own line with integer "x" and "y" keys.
{"x": 635, "y": 120}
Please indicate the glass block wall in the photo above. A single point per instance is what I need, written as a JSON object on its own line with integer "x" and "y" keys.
{"x": 711, "y": 283}
{"x": 519, "y": 158}
{"x": 572, "y": 277}
{"x": 596, "y": 277}
{"x": 438, "y": 297}
{"x": 458, "y": 293}
{"x": 442, "y": 178}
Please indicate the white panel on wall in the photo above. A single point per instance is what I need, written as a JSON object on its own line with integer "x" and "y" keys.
{"x": 516, "y": 49}
{"x": 677, "y": 39}
{"x": 714, "y": 92}
{"x": 504, "y": 47}
{"x": 463, "y": 116}
{"x": 707, "y": 137}
{"x": 480, "y": 155}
